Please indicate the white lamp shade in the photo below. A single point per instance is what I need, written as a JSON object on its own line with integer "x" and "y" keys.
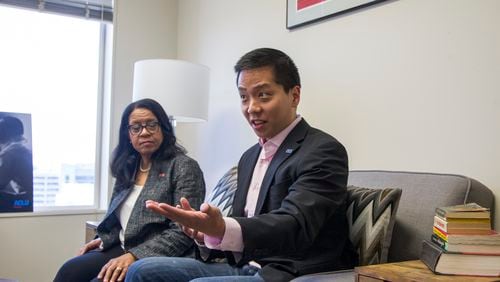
{"x": 180, "y": 87}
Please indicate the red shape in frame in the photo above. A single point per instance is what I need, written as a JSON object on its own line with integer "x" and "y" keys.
{"x": 301, "y": 4}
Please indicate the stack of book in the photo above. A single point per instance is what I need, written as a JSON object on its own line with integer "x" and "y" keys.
{"x": 463, "y": 242}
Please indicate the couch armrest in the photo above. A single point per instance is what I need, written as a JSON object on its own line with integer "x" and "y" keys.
{"x": 90, "y": 230}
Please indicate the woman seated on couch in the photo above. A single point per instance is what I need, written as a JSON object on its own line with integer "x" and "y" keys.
{"x": 147, "y": 164}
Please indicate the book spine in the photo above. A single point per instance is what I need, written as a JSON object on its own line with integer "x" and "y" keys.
{"x": 439, "y": 241}
{"x": 440, "y": 212}
{"x": 430, "y": 255}
{"x": 440, "y": 233}
{"x": 441, "y": 223}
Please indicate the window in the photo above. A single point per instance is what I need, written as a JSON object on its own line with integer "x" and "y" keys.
{"x": 51, "y": 68}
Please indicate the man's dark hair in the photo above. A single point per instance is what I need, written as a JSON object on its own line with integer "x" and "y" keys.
{"x": 11, "y": 129}
{"x": 285, "y": 71}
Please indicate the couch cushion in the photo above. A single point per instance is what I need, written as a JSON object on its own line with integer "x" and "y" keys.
{"x": 222, "y": 194}
{"x": 371, "y": 216}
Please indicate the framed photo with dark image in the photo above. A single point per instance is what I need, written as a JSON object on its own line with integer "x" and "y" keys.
{"x": 16, "y": 163}
{"x": 301, "y": 12}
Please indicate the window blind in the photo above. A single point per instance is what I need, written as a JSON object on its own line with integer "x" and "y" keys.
{"x": 101, "y": 10}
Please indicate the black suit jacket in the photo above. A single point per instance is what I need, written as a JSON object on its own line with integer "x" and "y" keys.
{"x": 300, "y": 224}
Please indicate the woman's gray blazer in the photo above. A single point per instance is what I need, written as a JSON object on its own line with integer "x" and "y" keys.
{"x": 149, "y": 234}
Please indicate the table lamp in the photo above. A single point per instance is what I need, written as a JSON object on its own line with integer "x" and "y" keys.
{"x": 179, "y": 86}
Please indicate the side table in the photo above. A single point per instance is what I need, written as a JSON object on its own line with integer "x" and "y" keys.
{"x": 412, "y": 270}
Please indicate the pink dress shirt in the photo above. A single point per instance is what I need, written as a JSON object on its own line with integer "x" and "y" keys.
{"x": 233, "y": 238}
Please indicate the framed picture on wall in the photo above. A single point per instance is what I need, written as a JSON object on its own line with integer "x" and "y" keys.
{"x": 301, "y": 12}
{"x": 16, "y": 163}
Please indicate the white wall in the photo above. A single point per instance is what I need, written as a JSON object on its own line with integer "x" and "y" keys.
{"x": 32, "y": 248}
{"x": 405, "y": 85}
{"x": 141, "y": 31}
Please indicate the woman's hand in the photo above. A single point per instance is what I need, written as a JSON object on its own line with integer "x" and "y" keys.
{"x": 90, "y": 246}
{"x": 116, "y": 268}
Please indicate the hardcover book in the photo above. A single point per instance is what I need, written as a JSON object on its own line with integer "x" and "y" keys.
{"x": 471, "y": 248}
{"x": 470, "y": 210}
{"x": 463, "y": 226}
{"x": 443, "y": 262}
{"x": 492, "y": 238}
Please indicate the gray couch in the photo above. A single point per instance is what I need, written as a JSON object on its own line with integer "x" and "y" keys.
{"x": 421, "y": 194}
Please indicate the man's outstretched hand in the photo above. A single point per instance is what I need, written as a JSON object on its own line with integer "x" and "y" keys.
{"x": 207, "y": 220}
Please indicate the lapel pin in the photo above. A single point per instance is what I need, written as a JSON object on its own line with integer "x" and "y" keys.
{"x": 289, "y": 151}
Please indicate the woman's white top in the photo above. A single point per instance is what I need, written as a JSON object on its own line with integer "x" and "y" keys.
{"x": 126, "y": 209}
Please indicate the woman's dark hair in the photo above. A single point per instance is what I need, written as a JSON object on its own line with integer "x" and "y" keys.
{"x": 125, "y": 158}
{"x": 11, "y": 129}
{"x": 285, "y": 71}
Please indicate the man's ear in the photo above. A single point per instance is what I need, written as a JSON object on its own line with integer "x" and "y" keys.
{"x": 295, "y": 93}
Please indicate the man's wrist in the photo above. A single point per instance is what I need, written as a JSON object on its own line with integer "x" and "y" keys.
{"x": 212, "y": 242}
{"x": 222, "y": 227}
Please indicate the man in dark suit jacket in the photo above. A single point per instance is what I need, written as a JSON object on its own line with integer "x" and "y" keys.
{"x": 289, "y": 209}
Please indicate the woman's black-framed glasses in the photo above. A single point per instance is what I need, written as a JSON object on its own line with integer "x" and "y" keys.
{"x": 151, "y": 127}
